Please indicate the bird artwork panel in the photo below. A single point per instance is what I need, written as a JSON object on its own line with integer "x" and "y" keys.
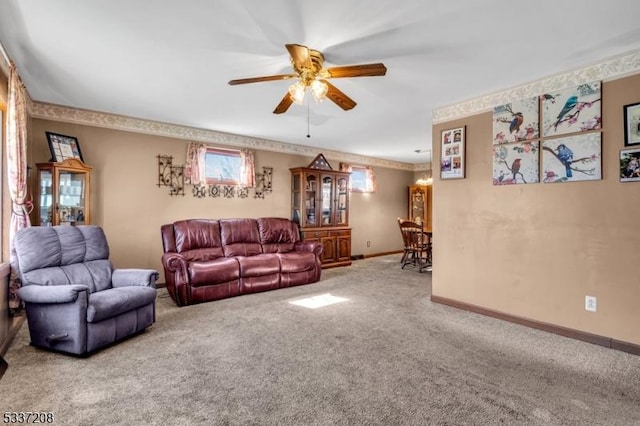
{"x": 516, "y": 163}
{"x": 572, "y": 158}
{"x": 572, "y": 110}
{"x": 516, "y": 121}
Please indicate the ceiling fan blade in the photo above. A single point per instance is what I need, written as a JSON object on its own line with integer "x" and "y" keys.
{"x": 365, "y": 70}
{"x": 260, "y": 79}
{"x": 337, "y": 96}
{"x": 284, "y": 104}
{"x": 299, "y": 55}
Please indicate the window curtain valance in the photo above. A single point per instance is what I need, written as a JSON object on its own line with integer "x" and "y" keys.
{"x": 247, "y": 171}
{"x": 372, "y": 182}
{"x": 194, "y": 171}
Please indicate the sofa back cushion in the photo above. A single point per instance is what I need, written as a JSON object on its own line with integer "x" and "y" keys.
{"x": 240, "y": 237}
{"x": 277, "y": 235}
{"x": 196, "y": 239}
{"x": 59, "y": 255}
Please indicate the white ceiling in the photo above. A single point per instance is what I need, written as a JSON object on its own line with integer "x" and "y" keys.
{"x": 170, "y": 61}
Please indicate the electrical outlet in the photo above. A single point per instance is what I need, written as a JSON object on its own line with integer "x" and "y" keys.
{"x": 368, "y": 243}
{"x": 591, "y": 303}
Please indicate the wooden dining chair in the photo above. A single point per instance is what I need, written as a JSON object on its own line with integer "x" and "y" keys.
{"x": 417, "y": 245}
{"x": 406, "y": 247}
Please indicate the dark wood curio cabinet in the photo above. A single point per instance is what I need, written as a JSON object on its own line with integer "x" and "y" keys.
{"x": 320, "y": 206}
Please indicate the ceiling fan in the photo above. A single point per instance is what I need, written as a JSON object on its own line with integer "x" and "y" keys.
{"x": 308, "y": 67}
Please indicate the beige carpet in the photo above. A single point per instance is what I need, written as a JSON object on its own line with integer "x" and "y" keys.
{"x": 385, "y": 356}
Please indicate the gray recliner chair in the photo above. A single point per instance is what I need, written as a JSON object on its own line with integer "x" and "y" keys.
{"x": 75, "y": 301}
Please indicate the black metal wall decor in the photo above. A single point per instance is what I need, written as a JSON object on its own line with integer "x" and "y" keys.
{"x": 173, "y": 177}
{"x": 267, "y": 179}
{"x": 264, "y": 182}
{"x": 170, "y": 175}
{"x": 199, "y": 191}
{"x": 243, "y": 192}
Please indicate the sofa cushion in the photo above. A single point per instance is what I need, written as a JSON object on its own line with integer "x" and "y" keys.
{"x": 115, "y": 301}
{"x": 197, "y": 234}
{"x": 296, "y": 261}
{"x": 240, "y": 237}
{"x": 203, "y": 254}
{"x": 277, "y": 235}
{"x": 217, "y": 271}
{"x": 258, "y": 265}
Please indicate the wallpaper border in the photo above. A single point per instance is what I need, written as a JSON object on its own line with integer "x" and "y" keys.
{"x": 611, "y": 69}
{"x": 61, "y": 113}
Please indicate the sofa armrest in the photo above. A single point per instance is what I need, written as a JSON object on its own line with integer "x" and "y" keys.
{"x": 34, "y": 293}
{"x": 175, "y": 263}
{"x": 176, "y": 276}
{"x": 314, "y": 247}
{"x": 134, "y": 277}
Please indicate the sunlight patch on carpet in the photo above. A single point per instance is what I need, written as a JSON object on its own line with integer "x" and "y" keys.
{"x": 320, "y": 301}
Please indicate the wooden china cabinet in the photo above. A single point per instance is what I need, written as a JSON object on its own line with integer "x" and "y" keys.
{"x": 420, "y": 205}
{"x": 320, "y": 206}
{"x": 62, "y": 193}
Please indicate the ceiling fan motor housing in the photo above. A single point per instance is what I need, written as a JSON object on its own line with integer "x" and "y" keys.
{"x": 308, "y": 74}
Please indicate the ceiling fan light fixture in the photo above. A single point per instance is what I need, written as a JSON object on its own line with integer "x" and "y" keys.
{"x": 309, "y": 71}
{"x": 297, "y": 92}
{"x": 319, "y": 90}
{"x": 425, "y": 179}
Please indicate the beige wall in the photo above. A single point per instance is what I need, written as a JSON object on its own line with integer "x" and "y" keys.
{"x": 536, "y": 251}
{"x": 128, "y": 204}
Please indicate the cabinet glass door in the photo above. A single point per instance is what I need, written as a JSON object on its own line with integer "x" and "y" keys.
{"x": 46, "y": 197}
{"x": 310, "y": 199}
{"x": 341, "y": 212}
{"x": 71, "y": 197}
{"x": 418, "y": 204}
{"x": 296, "y": 198}
{"x": 327, "y": 200}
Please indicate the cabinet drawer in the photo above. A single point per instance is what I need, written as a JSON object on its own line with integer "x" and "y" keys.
{"x": 310, "y": 235}
{"x": 323, "y": 233}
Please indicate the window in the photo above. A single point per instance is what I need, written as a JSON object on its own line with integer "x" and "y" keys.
{"x": 223, "y": 166}
{"x": 362, "y": 179}
{"x": 358, "y": 179}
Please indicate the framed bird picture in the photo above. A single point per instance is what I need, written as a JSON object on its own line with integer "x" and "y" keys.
{"x": 632, "y": 124}
{"x": 452, "y": 155}
{"x": 572, "y": 158}
{"x": 516, "y": 163}
{"x": 516, "y": 121}
{"x": 572, "y": 110}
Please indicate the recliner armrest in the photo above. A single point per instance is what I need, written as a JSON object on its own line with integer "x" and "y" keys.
{"x": 314, "y": 247}
{"x": 34, "y": 293}
{"x": 134, "y": 277}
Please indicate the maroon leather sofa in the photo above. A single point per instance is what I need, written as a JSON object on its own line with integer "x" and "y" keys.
{"x": 207, "y": 259}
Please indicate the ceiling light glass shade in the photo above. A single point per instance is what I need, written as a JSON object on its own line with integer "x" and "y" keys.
{"x": 297, "y": 92}
{"x": 319, "y": 90}
{"x": 425, "y": 179}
